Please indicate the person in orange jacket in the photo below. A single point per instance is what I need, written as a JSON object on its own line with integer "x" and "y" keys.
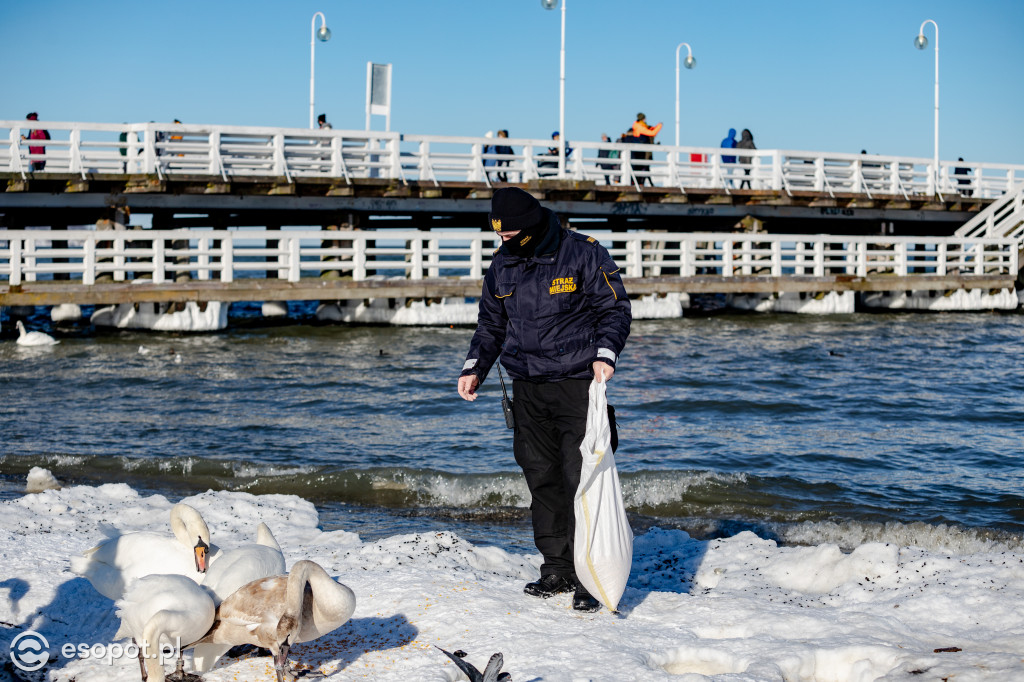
{"x": 643, "y": 133}
{"x": 640, "y": 128}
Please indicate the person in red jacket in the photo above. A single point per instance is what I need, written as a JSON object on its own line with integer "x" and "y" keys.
{"x": 35, "y": 163}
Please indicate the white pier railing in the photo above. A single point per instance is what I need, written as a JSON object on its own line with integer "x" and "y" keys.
{"x": 287, "y": 154}
{"x": 89, "y": 256}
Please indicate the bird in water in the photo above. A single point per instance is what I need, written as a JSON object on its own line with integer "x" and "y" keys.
{"x": 492, "y": 673}
{"x": 26, "y": 338}
{"x": 835, "y": 354}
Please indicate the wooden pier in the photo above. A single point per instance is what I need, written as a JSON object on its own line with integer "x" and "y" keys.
{"x": 183, "y": 176}
{"x": 128, "y": 213}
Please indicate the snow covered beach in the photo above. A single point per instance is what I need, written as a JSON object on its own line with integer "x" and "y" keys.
{"x": 736, "y": 608}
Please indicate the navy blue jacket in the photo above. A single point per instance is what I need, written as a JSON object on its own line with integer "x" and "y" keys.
{"x": 729, "y": 143}
{"x": 551, "y": 315}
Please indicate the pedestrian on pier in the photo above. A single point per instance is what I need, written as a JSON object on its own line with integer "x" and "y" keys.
{"x": 36, "y": 163}
{"x": 729, "y": 143}
{"x": 641, "y": 129}
{"x": 123, "y": 149}
{"x": 644, "y": 134}
{"x": 488, "y": 152}
{"x": 178, "y": 137}
{"x": 963, "y": 181}
{"x": 554, "y": 312}
{"x": 746, "y": 142}
{"x": 506, "y": 151}
{"x": 325, "y": 144}
{"x": 607, "y": 153}
{"x": 553, "y": 151}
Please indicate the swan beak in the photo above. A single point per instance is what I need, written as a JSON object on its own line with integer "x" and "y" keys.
{"x": 200, "y": 550}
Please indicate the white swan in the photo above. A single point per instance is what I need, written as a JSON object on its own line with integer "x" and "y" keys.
{"x": 33, "y": 338}
{"x": 278, "y": 612}
{"x": 160, "y": 610}
{"x": 111, "y": 565}
{"x": 234, "y": 568}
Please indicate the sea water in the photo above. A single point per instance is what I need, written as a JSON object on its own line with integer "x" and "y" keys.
{"x": 898, "y": 427}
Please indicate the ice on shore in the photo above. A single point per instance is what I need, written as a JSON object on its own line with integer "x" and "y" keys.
{"x": 40, "y": 479}
{"x": 736, "y": 608}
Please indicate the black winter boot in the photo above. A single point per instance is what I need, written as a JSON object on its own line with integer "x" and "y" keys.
{"x": 548, "y": 586}
{"x": 583, "y": 601}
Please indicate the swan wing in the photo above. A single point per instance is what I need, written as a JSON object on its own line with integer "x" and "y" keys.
{"x": 260, "y": 602}
{"x": 265, "y": 537}
{"x": 112, "y": 565}
{"x": 206, "y": 655}
{"x": 237, "y": 567}
{"x": 178, "y": 606}
{"x": 249, "y": 615}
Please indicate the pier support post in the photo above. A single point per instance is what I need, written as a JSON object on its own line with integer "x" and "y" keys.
{"x": 274, "y": 308}
{"x": 349, "y": 222}
{"x": 102, "y": 225}
{"x": 331, "y": 309}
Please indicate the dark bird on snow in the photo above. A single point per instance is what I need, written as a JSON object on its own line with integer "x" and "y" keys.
{"x": 490, "y": 674}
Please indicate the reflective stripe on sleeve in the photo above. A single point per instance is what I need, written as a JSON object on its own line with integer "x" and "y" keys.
{"x": 607, "y": 353}
{"x": 470, "y": 364}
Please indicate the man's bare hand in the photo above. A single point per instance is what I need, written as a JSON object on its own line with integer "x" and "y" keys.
{"x": 467, "y": 386}
{"x": 602, "y": 370}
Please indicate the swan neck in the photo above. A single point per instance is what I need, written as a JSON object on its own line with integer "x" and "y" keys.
{"x": 152, "y": 651}
{"x": 297, "y": 579}
{"x": 188, "y": 526}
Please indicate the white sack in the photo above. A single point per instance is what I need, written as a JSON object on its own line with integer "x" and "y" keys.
{"x": 603, "y": 552}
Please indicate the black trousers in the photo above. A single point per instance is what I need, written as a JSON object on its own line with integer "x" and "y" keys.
{"x": 551, "y": 419}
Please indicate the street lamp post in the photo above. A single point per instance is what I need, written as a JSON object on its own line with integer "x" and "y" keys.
{"x": 920, "y": 42}
{"x": 323, "y": 34}
{"x": 551, "y": 4}
{"x": 689, "y": 63}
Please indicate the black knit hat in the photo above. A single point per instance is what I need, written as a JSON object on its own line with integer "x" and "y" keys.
{"x": 514, "y": 209}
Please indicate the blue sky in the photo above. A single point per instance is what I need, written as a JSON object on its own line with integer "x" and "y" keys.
{"x": 814, "y": 75}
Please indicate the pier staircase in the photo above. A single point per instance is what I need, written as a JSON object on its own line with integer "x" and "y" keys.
{"x": 1002, "y": 218}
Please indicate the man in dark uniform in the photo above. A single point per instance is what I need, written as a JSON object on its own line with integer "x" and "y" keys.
{"x": 554, "y": 309}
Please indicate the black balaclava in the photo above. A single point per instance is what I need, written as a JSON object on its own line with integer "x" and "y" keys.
{"x": 514, "y": 209}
